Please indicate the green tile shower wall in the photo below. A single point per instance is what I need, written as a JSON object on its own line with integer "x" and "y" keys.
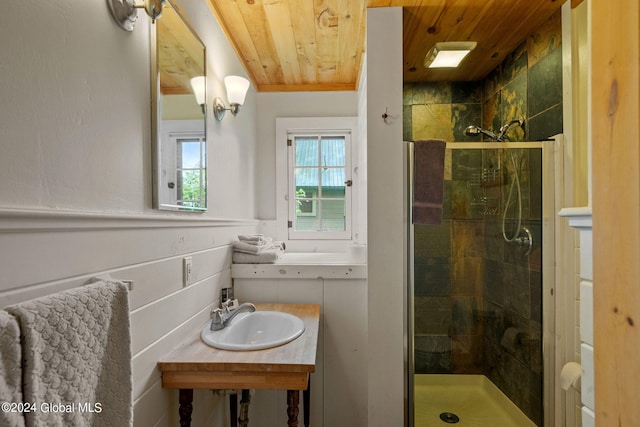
{"x": 470, "y": 285}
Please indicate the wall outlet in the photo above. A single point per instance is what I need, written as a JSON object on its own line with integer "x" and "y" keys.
{"x": 186, "y": 270}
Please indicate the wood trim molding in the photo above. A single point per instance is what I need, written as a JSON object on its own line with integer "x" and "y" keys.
{"x": 575, "y": 3}
{"x": 15, "y": 220}
{"x": 615, "y": 62}
{"x": 320, "y": 87}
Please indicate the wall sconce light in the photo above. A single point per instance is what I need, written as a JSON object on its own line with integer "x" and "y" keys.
{"x": 198, "y": 85}
{"x": 448, "y": 54}
{"x": 125, "y": 13}
{"x": 236, "y": 91}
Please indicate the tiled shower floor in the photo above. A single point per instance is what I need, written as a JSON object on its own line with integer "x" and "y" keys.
{"x": 473, "y": 398}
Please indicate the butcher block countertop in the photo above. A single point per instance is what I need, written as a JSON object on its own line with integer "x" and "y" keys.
{"x": 194, "y": 364}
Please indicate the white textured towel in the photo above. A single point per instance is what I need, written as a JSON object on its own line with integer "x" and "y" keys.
{"x": 76, "y": 348}
{"x": 250, "y": 248}
{"x": 267, "y": 257}
{"x": 255, "y": 239}
{"x": 10, "y": 369}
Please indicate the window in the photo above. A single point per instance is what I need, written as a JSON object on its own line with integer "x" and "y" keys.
{"x": 319, "y": 184}
{"x": 317, "y": 160}
{"x": 191, "y": 170}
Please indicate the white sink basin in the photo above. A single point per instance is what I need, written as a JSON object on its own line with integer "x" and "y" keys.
{"x": 255, "y": 331}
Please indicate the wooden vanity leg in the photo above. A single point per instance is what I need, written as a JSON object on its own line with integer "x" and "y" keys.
{"x": 186, "y": 407}
{"x": 306, "y": 402}
{"x": 243, "y": 419}
{"x": 233, "y": 409}
{"x": 293, "y": 400}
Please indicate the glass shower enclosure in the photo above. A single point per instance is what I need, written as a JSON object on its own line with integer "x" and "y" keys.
{"x": 480, "y": 289}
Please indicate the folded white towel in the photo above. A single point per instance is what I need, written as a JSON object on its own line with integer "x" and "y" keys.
{"x": 279, "y": 245}
{"x": 249, "y": 248}
{"x": 253, "y": 238}
{"x": 267, "y": 257}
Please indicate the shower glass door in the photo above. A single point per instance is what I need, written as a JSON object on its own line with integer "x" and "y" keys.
{"x": 479, "y": 299}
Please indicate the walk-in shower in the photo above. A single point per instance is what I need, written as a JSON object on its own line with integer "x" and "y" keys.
{"x": 479, "y": 300}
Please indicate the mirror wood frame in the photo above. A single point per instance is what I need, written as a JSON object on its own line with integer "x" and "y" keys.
{"x": 157, "y": 120}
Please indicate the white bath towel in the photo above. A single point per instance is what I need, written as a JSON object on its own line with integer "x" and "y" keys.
{"x": 10, "y": 370}
{"x": 266, "y": 257}
{"x": 256, "y": 239}
{"x": 249, "y": 248}
{"x": 76, "y": 348}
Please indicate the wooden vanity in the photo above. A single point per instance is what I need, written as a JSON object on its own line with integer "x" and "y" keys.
{"x": 194, "y": 364}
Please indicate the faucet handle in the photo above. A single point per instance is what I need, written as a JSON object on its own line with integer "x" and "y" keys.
{"x": 217, "y": 319}
{"x": 229, "y": 305}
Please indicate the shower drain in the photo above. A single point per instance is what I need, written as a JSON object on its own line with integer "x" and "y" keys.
{"x": 449, "y": 417}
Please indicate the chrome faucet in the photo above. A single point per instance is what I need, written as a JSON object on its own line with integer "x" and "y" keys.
{"x": 221, "y": 317}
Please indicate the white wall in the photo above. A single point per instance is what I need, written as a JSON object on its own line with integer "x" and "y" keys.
{"x": 75, "y": 180}
{"x": 289, "y": 104}
{"x": 361, "y": 231}
{"x": 386, "y": 217}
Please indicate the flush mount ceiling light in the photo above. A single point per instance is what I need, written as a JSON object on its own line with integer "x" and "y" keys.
{"x": 448, "y": 54}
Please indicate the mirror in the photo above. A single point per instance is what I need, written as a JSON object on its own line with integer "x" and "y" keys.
{"x": 179, "y": 117}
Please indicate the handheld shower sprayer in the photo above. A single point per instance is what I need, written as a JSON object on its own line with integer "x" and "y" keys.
{"x": 500, "y": 136}
{"x": 504, "y": 128}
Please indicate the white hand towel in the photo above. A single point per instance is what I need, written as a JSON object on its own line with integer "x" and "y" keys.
{"x": 252, "y": 238}
{"x": 266, "y": 257}
{"x": 249, "y": 248}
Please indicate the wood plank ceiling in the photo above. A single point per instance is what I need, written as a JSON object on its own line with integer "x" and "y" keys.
{"x": 180, "y": 54}
{"x": 315, "y": 45}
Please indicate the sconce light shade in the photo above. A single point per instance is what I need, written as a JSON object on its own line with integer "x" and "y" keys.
{"x": 448, "y": 54}
{"x": 198, "y": 85}
{"x": 236, "y": 89}
{"x": 236, "y": 92}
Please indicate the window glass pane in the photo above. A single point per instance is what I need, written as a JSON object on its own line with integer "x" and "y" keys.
{"x": 332, "y": 181}
{"x": 333, "y": 192}
{"x": 306, "y": 180}
{"x": 190, "y": 185}
{"x": 190, "y": 155}
{"x": 333, "y": 151}
{"x": 332, "y": 213}
{"x": 305, "y": 201}
{"x": 305, "y": 221}
{"x": 306, "y": 151}
{"x": 305, "y": 207}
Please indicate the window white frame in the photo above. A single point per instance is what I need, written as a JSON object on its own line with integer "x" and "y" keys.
{"x": 177, "y": 139}
{"x": 285, "y": 205}
{"x": 292, "y": 135}
{"x": 172, "y": 129}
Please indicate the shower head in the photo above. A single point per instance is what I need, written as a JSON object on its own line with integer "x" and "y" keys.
{"x": 475, "y": 131}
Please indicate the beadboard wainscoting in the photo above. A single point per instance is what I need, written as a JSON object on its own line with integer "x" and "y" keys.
{"x": 45, "y": 252}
